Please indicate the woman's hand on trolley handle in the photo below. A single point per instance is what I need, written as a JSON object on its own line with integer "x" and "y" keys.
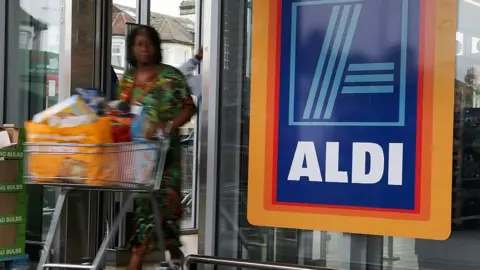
{"x": 172, "y": 126}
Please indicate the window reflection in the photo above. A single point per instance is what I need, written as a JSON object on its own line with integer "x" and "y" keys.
{"x": 236, "y": 238}
{"x": 466, "y": 154}
{"x": 39, "y": 48}
{"x": 33, "y": 50}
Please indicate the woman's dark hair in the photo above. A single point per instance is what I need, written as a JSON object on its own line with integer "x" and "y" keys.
{"x": 152, "y": 35}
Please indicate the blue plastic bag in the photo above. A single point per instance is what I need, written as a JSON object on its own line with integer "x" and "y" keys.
{"x": 138, "y": 124}
{"x": 19, "y": 263}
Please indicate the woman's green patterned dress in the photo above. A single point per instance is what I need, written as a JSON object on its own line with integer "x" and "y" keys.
{"x": 168, "y": 95}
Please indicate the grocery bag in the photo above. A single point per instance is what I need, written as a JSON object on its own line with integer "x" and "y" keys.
{"x": 67, "y": 159}
{"x": 121, "y": 129}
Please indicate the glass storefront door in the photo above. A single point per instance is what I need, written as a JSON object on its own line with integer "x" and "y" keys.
{"x": 234, "y": 237}
{"x": 32, "y": 79}
{"x": 50, "y": 50}
{"x": 178, "y": 47}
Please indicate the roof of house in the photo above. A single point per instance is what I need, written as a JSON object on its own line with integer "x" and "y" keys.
{"x": 119, "y": 19}
{"x": 171, "y": 29}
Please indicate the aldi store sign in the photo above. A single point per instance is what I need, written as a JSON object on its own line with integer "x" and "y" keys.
{"x": 305, "y": 163}
{"x": 352, "y": 116}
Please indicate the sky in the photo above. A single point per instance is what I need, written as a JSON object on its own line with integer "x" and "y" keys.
{"x": 168, "y": 7}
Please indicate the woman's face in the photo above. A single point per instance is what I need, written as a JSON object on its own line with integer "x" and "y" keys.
{"x": 143, "y": 49}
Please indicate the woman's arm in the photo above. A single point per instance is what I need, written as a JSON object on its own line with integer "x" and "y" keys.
{"x": 182, "y": 99}
{"x": 186, "y": 113}
{"x": 189, "y": 66}
{"x": 192, "y": 63}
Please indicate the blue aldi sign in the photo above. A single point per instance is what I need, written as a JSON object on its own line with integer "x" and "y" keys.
{"x": 366, "y": 73}
{"x": 344, "y": 87}
{"x": 346, "y": 128}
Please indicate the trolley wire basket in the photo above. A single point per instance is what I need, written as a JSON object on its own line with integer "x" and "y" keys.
{"x": 130, "y": 166}
{"x": 187, "y": 167}
{"x": 136, "y": 167}
{"x": 187, "y": 179}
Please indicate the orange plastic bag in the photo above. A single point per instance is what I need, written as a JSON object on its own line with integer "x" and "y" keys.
{"x": 69, "y": 163}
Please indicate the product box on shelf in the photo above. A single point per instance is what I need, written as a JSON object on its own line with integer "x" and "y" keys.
{"x": 12, "y": 237}
{"x": 12, "y": 207}
{"x": 11, "y": 142}
{"x": 11, "y": 158}
{"x": 12, "y": 192}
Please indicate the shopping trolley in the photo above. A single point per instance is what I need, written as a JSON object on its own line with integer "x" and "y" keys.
{"x": 125, "y": 157}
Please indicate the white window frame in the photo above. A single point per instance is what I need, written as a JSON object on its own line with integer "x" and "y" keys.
{"x": 23, "y": 35}
{"x": 120, "y": 45}
{"x": 23, "y": 39}
{"x": 166, "y": 55}
{"x": 177, "y": 55}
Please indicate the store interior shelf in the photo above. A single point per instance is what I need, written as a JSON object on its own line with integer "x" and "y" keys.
{"x": 466, "y": 158}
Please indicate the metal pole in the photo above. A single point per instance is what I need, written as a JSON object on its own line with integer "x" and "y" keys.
{"x": 143, "y": 12}
{"x": 191, "y": 262}
{"x": 3, "y": 36}
{"x": 113, "y": 230}
{"x": 390, "y": 247}
{"x": 52, "y": 229}
{"x": 122, "y": 228}
{"x": 390, "y": 259}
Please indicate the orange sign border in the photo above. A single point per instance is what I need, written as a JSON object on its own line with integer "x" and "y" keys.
{"x": 437, "y": 60}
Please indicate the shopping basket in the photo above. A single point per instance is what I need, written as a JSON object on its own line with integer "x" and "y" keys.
{"x": 133, "y": 167}
{"x": 130, "y": 165}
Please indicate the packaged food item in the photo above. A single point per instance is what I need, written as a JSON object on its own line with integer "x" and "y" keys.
{"x": 92, "y": 98}
{"x": 142, "y": 126}
{"x": 121, "y": 128}
{"x": 68, "y": 113}
{"x": 67, "y": 162}
{"x": 118, "y": 107}
{"x": 69, "y": 121}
